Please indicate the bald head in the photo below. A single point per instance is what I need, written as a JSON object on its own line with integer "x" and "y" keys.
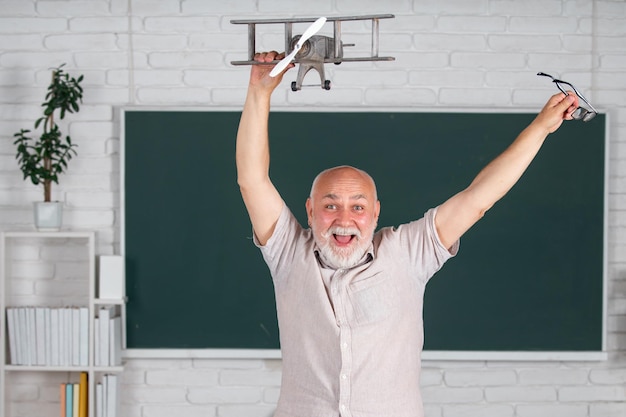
{"x": 342, "y": 174}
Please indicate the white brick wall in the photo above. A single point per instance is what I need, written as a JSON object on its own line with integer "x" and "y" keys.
{"x": 449, "y": 53}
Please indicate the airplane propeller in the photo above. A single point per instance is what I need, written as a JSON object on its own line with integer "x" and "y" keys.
{"x": 310, "y": 31}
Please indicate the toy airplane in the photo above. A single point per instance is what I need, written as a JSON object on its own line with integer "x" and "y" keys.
{"x": 312, "y": 51}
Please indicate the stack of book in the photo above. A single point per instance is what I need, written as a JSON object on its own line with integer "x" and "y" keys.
{"x": 108, "y": 337}
{"x": 107, "y": 397}
{"x": 74, "y": 398}
{"x": 44, "y": 336}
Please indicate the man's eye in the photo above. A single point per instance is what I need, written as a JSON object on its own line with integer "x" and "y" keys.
{"x": 331, "y": 206}
{"x": 358, "y": 208}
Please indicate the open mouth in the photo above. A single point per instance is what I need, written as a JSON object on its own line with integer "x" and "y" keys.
{"x": 343, "y": 239}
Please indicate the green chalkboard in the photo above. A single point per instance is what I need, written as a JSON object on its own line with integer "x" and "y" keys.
{"x": 528, "y": 277}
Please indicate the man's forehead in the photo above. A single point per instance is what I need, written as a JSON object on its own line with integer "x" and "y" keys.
{"x": 333, "y": 196}
{"x": 344, "y": 185}
{"x": 344, "y": 181}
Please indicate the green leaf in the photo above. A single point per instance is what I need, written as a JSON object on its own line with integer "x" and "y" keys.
{"x": 41, "y": 159}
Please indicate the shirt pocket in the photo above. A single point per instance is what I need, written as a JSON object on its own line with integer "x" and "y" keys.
{"x": 373, "y": 299}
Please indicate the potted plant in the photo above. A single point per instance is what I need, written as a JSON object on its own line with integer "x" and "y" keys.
{"x": 43, "y": 159}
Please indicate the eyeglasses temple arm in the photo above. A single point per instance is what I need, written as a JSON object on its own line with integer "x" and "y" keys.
{"x": 579, "y": 94}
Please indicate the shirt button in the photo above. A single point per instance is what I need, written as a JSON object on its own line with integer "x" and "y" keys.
{"x": 344, "y": 345}
{"x": 344, "y": 376}
{"x": 343, "y": 407}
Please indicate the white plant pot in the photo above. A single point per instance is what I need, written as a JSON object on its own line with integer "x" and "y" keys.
{"x": 48, "y": 216}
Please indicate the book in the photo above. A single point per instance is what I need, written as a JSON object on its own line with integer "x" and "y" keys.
{"x": 111, "y": 277}
{"x": 83, "y": 346}
{"x": 54, "y": 337}
{"x": 82, "y": 400}
{"x": 40, "y": 336}
{"x": 48, "y": 335}
{"x": 22, "y": 331}
{"x": 105, "y": 314}
{"x": 12, "y": 329}
{"x": 99, "y": 400}
{"x": 60, "y": 318}
{"x": 69, "y": 401}
{"x": 62, "y": 337}
{"x": 115, "y": 341}
{"x": 96, "y": 342}
{"x": 31, "y": 336}
{"x": 16, "y": 358}
{"x": 105, "y": 395}
{"x": 63, "y": 400}
{"x": 75, "y": 337}
{"x": 67, "y": 336}
{"x": 112, "y": 395}
{"x": 75, "y": 399}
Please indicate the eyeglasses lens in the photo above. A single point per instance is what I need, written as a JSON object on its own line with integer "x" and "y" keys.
{"x": 589, "y": 115}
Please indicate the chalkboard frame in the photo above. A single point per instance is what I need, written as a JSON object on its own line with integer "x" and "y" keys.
{"x": 592, "y": 355}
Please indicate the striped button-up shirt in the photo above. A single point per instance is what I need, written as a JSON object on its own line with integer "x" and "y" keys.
{"x": 351, "y": 340}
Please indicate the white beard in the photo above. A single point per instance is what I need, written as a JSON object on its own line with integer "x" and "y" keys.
{"x": 342, "y": 258}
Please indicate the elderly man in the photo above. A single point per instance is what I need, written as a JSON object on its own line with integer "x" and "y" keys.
{"x": 349, "y": 298}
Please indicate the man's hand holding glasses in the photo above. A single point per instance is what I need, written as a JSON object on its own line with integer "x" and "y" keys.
{"x": 582, "y": 113}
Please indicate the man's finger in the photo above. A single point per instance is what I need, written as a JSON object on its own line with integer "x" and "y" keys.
{"x": 566, "y": 102}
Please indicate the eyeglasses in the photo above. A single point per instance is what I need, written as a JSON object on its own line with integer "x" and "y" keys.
{"x": 581, "y": 113}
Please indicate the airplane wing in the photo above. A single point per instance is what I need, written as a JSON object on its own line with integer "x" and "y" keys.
{"x": 337, "y": 58}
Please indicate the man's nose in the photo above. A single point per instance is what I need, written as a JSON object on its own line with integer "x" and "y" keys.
{"x": 344, "y": 218}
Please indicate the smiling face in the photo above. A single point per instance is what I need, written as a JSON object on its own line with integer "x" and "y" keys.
{"x": 343, "y": 213}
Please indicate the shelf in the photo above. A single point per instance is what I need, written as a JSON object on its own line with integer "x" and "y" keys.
{"x": 110, "y": 301}
{"x": 26, "y": 368}
{"x": 60, "y": 235}
{"x": 93, "y": 304}
{"x": 109, "y": 369}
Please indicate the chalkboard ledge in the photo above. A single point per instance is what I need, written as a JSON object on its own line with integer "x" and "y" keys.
{"x": 426, "y": 355}
{"x": 156, "y": 353}
{"x": 513, "y": 356}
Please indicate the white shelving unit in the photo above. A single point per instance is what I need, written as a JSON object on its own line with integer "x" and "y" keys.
{"x": 93, "y": 304}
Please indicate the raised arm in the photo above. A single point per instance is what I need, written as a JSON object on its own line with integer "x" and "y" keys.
{"x": 460, "y": 212}
{"x": 261, "y": 198}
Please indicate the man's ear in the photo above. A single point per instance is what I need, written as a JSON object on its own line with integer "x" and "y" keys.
{"x": 377, "y": 209}
{"x": 309, "y": 210}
